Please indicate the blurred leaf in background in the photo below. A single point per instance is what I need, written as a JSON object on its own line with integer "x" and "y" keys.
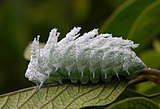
{"x": 137, "y": 20}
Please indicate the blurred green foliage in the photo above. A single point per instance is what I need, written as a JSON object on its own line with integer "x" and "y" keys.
{"x": 21, "y": 21}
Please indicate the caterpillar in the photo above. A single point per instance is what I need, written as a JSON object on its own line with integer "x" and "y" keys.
{"x": 90, "y": 57}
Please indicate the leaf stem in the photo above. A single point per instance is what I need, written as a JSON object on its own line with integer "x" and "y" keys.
{"x": 148, "y": 71}
{"x": 147, "y": 74}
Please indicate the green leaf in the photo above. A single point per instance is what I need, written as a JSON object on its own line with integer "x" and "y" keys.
{"x": 156, "y": 45}
{"x": 130, "y": 93}
{"x": 64, "y": 96}
{"x": 145, "y": 86}
{"x": 137, "y": 20}
{"x": 121, "y": 21}
{"x": 151, "y": 58}
{"x": 134, "y": 103}
{"x": 147, "y": 25}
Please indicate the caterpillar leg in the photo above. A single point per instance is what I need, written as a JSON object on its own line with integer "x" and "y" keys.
{"x": 84, "y": 77}
{"x": 74, "y": 76}
{"x": 117, "y": 76}
{"x": 56, "y": 69}
{"x": 127, "y": 71}
{"x": 94, "y": 77}
{"x": 60, "y": 82}
{"x": 39, "y": 86}
{"x": 105, "y": 76}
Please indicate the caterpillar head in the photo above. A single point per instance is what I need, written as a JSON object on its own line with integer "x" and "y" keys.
{"x": 38, "y": 69}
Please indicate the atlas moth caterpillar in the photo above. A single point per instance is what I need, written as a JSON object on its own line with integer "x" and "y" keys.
{"x": 90, "y": 57}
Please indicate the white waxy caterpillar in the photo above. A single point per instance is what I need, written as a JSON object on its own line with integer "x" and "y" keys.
{"x": 90, "y": 57}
